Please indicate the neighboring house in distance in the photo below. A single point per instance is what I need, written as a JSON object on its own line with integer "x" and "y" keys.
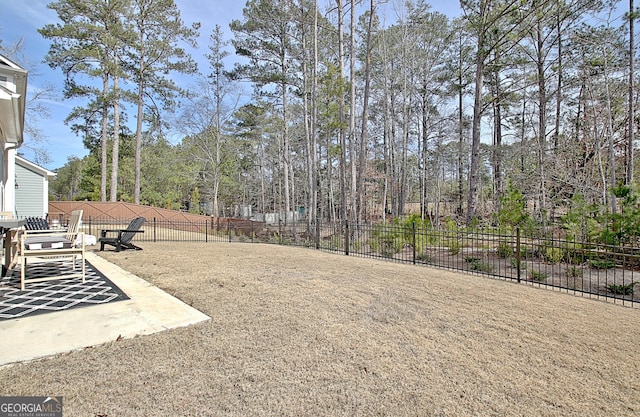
{"x": 13, "y": 96}
{"x": 32, "y": 189}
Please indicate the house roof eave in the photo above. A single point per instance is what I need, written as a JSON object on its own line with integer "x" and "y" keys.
{"x": 34, "y": 167}
{"x": 13, "y": 103}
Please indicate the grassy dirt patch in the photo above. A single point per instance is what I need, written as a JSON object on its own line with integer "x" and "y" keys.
{"x": 298, "y": 332}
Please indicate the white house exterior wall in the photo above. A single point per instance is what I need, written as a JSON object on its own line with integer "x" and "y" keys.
{"x": 13, "y": 90}
{"x": 8, "y": 181}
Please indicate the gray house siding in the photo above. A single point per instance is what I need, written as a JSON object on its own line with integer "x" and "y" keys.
{"x": 32, "y": 187}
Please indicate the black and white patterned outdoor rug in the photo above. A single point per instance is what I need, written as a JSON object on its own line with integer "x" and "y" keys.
{"x": 58, "y": 295}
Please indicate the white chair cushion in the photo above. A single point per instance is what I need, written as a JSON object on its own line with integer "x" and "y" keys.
{"x": 47, "y": 242}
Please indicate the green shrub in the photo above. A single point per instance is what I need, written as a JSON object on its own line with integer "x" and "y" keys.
{"x": 334, "y": 243}
{"x": 538, "y": 276}
{"x": 552, "y": 255}
{"x": 387, "y": 241}
{"x": 481, "y": 267}
{"x": 622, "y": 227}
{"x": 424, "y": 257}
{"x": 389, "y": 247}
{"x": 580, "y": 221}
{"x": 575, "y": 272}
{"x": 415, "y": 220}
{"x": 513, "y": 209}
{"x": 601, "y": 263}
{"x": 374, "y": 244}
{"x": 505, "y": 250}
{"x": 419, "y": 246}
{"x": 514, "y": 263}
{"x": 475, "y": 264}
{"x": 431, "y": 238}
{"x": 275, "y": 239}
{"x": 450, "y": 224}
{"x": 454, "y": 247}
{"x": 526, "y": 252}
{"x": 573, "y": 256}
{"x": 620, "y": 289}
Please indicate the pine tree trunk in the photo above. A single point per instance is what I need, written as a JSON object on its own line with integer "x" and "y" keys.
{"x": 631, "y": 115}
{"x": 104, "y": 139}
{"x": 116, "y": 141}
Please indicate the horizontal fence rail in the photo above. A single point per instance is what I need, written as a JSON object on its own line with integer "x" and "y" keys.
{"x": 586, "y": 269}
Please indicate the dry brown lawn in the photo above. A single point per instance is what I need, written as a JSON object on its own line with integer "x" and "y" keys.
{"x": 298, "y": 332}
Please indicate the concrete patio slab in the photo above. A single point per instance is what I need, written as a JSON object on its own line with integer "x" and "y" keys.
{"x": 149, "y": 310}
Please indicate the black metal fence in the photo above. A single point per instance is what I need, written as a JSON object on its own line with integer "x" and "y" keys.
{"x": 585, "y": 269}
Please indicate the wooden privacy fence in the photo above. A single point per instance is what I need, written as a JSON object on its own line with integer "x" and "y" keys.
{"x": 96, "y": 214}
{"x": 107, "y": 211}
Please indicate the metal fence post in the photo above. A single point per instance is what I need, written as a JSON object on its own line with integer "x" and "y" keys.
{"x": 518, "y": 253}
{"x": 413, "y": 230}
{"x": 229, "y": 230}
{"x": 317, "y": 234}
{"x": 346, "y": 237}
{"x": 206, "y": 231}
{"x": 154, "y": 230}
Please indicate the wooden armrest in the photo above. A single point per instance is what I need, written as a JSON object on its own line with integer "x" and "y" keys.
{"x": 38, "y": 231}
{"x": 50, "y": 232}
{"x": 103, "y": 232}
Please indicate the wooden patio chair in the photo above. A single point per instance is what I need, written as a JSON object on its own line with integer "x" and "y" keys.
{"x": 9, "y": 243}
{"x": 124, "y": 236}
{"x": 36, "y": 223}
{"x": 53, "y": 244}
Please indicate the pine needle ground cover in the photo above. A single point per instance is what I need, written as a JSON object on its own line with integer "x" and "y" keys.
{"x": 298, "y": 332}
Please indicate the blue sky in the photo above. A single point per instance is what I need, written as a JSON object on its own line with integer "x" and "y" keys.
{"x": 22, "y": 19}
